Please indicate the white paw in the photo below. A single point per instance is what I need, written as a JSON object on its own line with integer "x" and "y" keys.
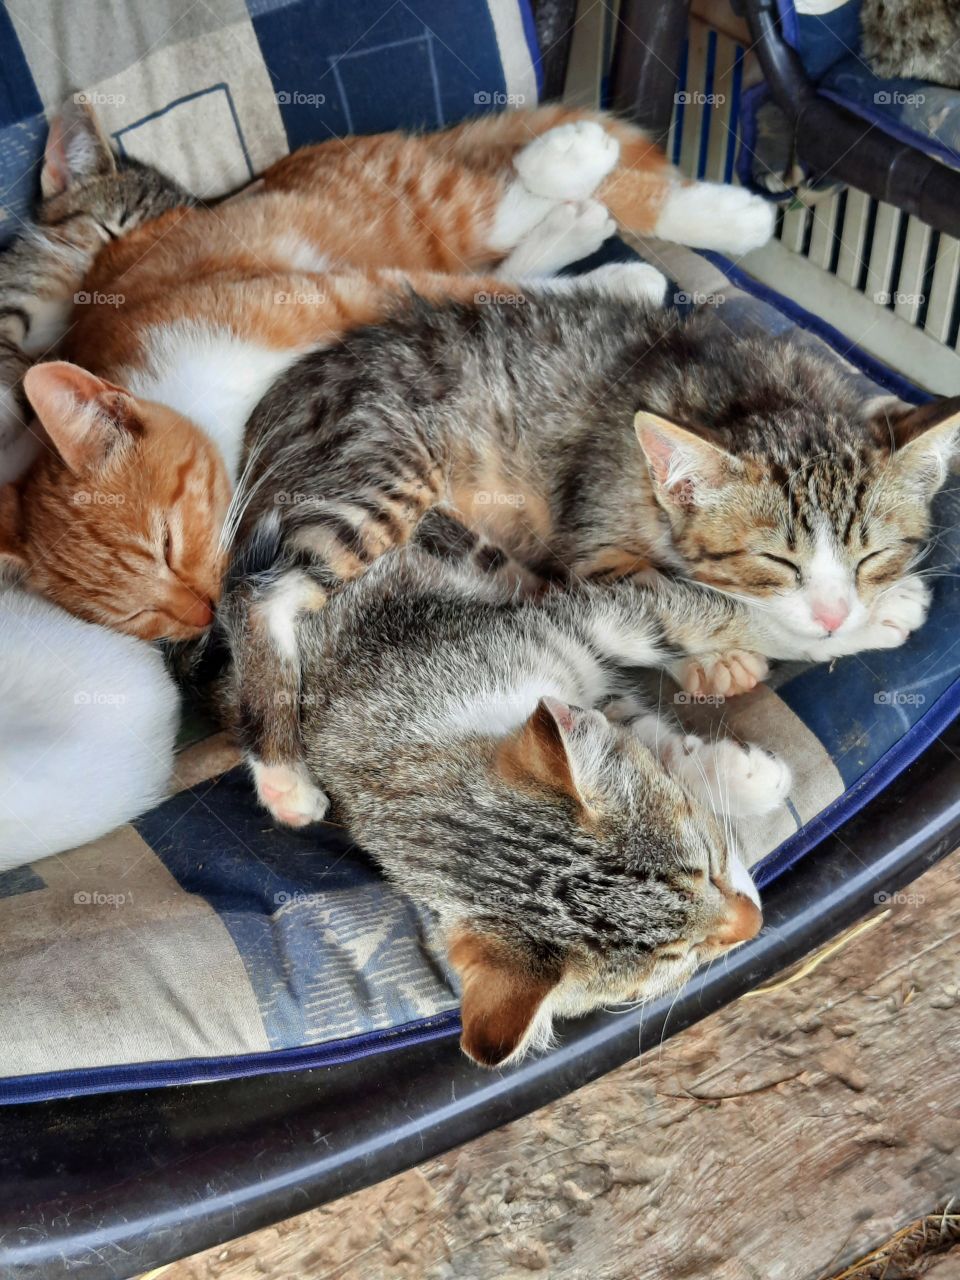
{"x": 898, "y": 611}
{"x": 723, "y": 675}
{"x": 569, "y": 162}
{"x": 289, "y": 793}
{"x": 750, "y": 781}
{"x": 710, "y": 215}
{"x": 633, "y": 281}
{"x": 572, "y": 231}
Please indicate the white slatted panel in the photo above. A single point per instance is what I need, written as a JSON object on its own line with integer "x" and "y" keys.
{"x": 795, "y": 228}
{"x": 943, "y": 290}
{"x": 872, "y": 246}
{"x": 721, "y": 139}
{"x": 882, "y": 254}
{"x": 909, "y": 296}
{"x": 824, "y": 215}
{"x": 855, "y": 221}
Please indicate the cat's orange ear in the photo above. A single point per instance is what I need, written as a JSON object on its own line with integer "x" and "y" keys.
{"x": 539, "y": 752}
{"x": 503, "y": 990}
{"x": 12, "y": 559}
{"x": 87, "y": 419}
{"x": 76, "y": 149}
{"x": 684, "y": 466}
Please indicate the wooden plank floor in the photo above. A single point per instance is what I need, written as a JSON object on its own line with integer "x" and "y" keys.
{"x": 781, "y": 1139}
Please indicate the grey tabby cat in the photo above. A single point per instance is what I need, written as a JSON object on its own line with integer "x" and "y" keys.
{"x": 571, "y": 859}
{"x": 913, "y": 38}
{"x": 89, "y": 197}
{"x": 594, "y": 436}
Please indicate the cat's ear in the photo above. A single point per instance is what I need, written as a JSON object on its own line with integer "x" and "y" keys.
{"x": 685, "y": 467}
{"x": 924, "y": 439}
{"x": 539, "y": 752}
{"x": 12, "y": 559}
{"x": 87, "y": 419}
{"x": 503, "y": 989}
{"x": 76, "y": 150}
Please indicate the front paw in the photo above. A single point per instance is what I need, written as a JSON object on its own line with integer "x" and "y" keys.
{"x": 724, "y": 675}
{"x": 568, "y": 162}
{"x": 289, "y": 793}
{"x": 751, "y": 781}
{"x": 899, "y": 611}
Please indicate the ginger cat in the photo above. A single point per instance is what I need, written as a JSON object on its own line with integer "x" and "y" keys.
{"x": 188, "y": 314}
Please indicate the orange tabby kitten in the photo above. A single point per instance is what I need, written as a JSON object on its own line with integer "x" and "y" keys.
{"x": 192, "y": 314}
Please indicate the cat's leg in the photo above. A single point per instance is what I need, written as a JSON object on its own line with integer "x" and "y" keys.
{"x": 724, "y": 674}
{"x": 261, "y": 618}
{"x": 712, "y": 215}
{"x": 444, "y": 535}
{"x": 597, "y": 155}
{"x": 742, "y": 781}
{"x": 569, "y": 161}
{"x": 546, "y": 219}
{"x": 568, "y": 233}
{"x": 678, "y": 627}
{"x": 629, "y": 281}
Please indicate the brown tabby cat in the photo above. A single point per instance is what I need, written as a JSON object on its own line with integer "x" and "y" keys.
{"x": 591, "y": 435}
{"x": 189, "y": 316}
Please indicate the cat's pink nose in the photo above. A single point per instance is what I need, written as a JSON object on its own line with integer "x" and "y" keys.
{"x": 832, "y": 615}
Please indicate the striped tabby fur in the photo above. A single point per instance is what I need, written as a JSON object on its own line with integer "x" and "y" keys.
{"x": 752, "y": 466}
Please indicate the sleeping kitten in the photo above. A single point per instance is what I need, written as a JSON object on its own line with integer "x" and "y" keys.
{"x": 912, "y": 38}
{"x": 593, "y": 436}
{"x": 87, "y": 728}
{"x": 199, "y": 309}
{"x": 571, "y": 860}
{"x": 90, "y": 198}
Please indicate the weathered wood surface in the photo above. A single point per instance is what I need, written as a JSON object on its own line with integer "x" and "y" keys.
{"x": 781, "y": 1139}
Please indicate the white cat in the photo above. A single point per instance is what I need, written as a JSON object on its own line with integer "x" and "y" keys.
{"x": 88, "y": 720}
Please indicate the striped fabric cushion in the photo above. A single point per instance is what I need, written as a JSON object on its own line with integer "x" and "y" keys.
{"x": 212, "y": 93}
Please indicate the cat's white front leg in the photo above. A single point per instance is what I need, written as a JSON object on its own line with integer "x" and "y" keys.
{"x": 566, "y": 234}
{"x": 743, "y": 781}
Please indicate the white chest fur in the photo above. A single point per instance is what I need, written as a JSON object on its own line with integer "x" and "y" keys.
{"x": 211, "y": 377}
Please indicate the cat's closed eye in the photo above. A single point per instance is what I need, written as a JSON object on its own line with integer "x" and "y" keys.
{"x": 784, "y": 563}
